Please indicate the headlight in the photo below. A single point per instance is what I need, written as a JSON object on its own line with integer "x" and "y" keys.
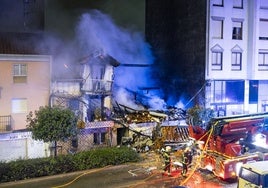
{"x": 260, "y": 140}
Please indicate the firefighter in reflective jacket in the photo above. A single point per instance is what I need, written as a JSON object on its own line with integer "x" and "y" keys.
{"x": 167, "y": 159}
{"x": 185, "y": 161}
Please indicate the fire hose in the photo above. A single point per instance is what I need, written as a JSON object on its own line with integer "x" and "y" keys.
{"x": 76, "y": 178}
{"x": 200, "y": 157}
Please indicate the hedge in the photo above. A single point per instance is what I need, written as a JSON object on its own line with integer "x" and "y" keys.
{"x": 96, "y": 158}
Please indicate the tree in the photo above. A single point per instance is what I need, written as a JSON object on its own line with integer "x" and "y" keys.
{"x": 199, "y": 115}
{"x": 52, "y": 124}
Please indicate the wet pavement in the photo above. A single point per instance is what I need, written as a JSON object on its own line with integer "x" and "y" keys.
{"x": 145, "y": 174}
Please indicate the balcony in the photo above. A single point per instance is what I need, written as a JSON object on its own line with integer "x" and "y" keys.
{"x": 97, "y": 86}
{"x": 67, "y": 87}
{"x": 5, "y": 123}
{"x": 89, "y": 86}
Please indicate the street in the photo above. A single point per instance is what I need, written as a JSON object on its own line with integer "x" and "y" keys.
{"x": 145, "y": 174}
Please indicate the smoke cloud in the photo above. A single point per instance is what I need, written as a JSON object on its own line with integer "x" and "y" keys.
{"x": 97, "y": 32}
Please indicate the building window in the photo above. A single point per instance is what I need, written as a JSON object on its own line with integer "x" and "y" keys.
{"x": 228, "y": 92}
{"x": 238, "y": 4}
{"x": 237, "y": 30}
{"x": 19, "y": 105}
{"x": 227, "y": 97}
{"x": 263, "y": 4}
{"x": 218, "y": 3}
{"x": 253, "y": 91}
{"x": 99, "y": 138}
{"x": 19, "y": 73}
{"x": 217, "y": 25}
{"x": 263, "y": 60}
{"x": 235, "y": 91}
{"x": 218, "y": 91}
{"x": 236, "y": 61}
{"x": 263, "y": 35}
{"x": 216, "y": 60}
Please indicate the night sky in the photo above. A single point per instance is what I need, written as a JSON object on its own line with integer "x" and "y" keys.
{"x": 120, "y": 26}
{"x": 62, "y": 15}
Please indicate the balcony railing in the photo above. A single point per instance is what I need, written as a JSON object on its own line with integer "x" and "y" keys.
{"x": 70, "y": 87}
{"x": 97, "y": 86}
{"x": 89, "y": 86}
{"x": 5, "y": 123}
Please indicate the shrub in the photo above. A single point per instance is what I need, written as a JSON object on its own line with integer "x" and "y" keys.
{"x": 31, "y": 168}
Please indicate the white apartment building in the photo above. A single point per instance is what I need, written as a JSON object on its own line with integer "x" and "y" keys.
{"x": 237, "y": 56}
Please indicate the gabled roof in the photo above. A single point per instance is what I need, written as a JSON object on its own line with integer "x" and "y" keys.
{"x": 100, "y": 59}
{"x": 109, "y": 60}
{"x": 20, "y": 43}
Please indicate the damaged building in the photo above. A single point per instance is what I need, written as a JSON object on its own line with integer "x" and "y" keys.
{"x": 90, "y": 97}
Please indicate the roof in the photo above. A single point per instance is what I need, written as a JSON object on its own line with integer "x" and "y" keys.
{"x": 100, "y": 59}
{"x": 260, "y": 167}
{"x": 21, "y": 43}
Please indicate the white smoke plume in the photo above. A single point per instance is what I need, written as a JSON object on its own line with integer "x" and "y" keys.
{"x": 98, "y": 32}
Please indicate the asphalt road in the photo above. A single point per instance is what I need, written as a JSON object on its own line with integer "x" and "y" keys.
{"x": 145, "y": 174}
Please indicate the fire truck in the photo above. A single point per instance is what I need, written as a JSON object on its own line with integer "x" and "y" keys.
{"x": 229, "y": 142}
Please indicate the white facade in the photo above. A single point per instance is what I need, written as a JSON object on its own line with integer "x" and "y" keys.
{"x": 237, "y": 56}
{"x": 23, "y": 147}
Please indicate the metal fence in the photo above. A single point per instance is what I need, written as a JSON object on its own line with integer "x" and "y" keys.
{"x": 20, "y": 145}
{"x": 94, "y": 135}
{"x": 5, "y": 123}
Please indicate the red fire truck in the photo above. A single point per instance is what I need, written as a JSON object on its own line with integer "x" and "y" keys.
{"x": 229, "y": 142}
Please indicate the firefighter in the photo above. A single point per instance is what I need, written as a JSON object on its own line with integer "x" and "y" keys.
{"x": 167, "y": 159}
{"x": 185, "y": 162}
{"x": 189, "y": 154}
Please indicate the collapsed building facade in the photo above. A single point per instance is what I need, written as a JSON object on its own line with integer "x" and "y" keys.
{"x": 104, "y": 122}
{"x": 90, "y": 98}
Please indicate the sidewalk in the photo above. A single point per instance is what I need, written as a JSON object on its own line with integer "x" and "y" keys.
{"x": 147, "y": 173}
{"x": 126, "y": 175}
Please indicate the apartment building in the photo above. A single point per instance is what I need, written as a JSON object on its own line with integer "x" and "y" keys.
{"x": 228, "y": 45}
{"x": 25, "y": 86}
{"x": 25, "y": 78}
{"x": 236, "y": 56}
{"x": 25, "y": 73}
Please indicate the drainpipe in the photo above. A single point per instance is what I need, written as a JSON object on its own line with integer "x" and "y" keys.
{"x": 207, "y": 74}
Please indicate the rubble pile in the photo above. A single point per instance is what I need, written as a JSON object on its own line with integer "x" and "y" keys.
{"x": 149, "y": 129}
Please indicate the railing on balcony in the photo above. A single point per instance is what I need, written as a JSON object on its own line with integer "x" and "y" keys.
{"x": 67, "y": 87}
{"x": 97, "y": 86}
{"x": 5, "y": 123}
{"x": 89, "y": 86}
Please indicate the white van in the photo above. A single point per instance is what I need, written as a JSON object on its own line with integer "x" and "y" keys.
{"x": 253, "y": 175}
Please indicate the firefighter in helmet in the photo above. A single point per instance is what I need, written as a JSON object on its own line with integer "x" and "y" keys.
{"x": 167, "y": 159}
{"x": 185, "y": 162}
{"x": 189, "y": 154}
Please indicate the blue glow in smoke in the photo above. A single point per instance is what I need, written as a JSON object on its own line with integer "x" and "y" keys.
{"x": 97, "y": 31}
